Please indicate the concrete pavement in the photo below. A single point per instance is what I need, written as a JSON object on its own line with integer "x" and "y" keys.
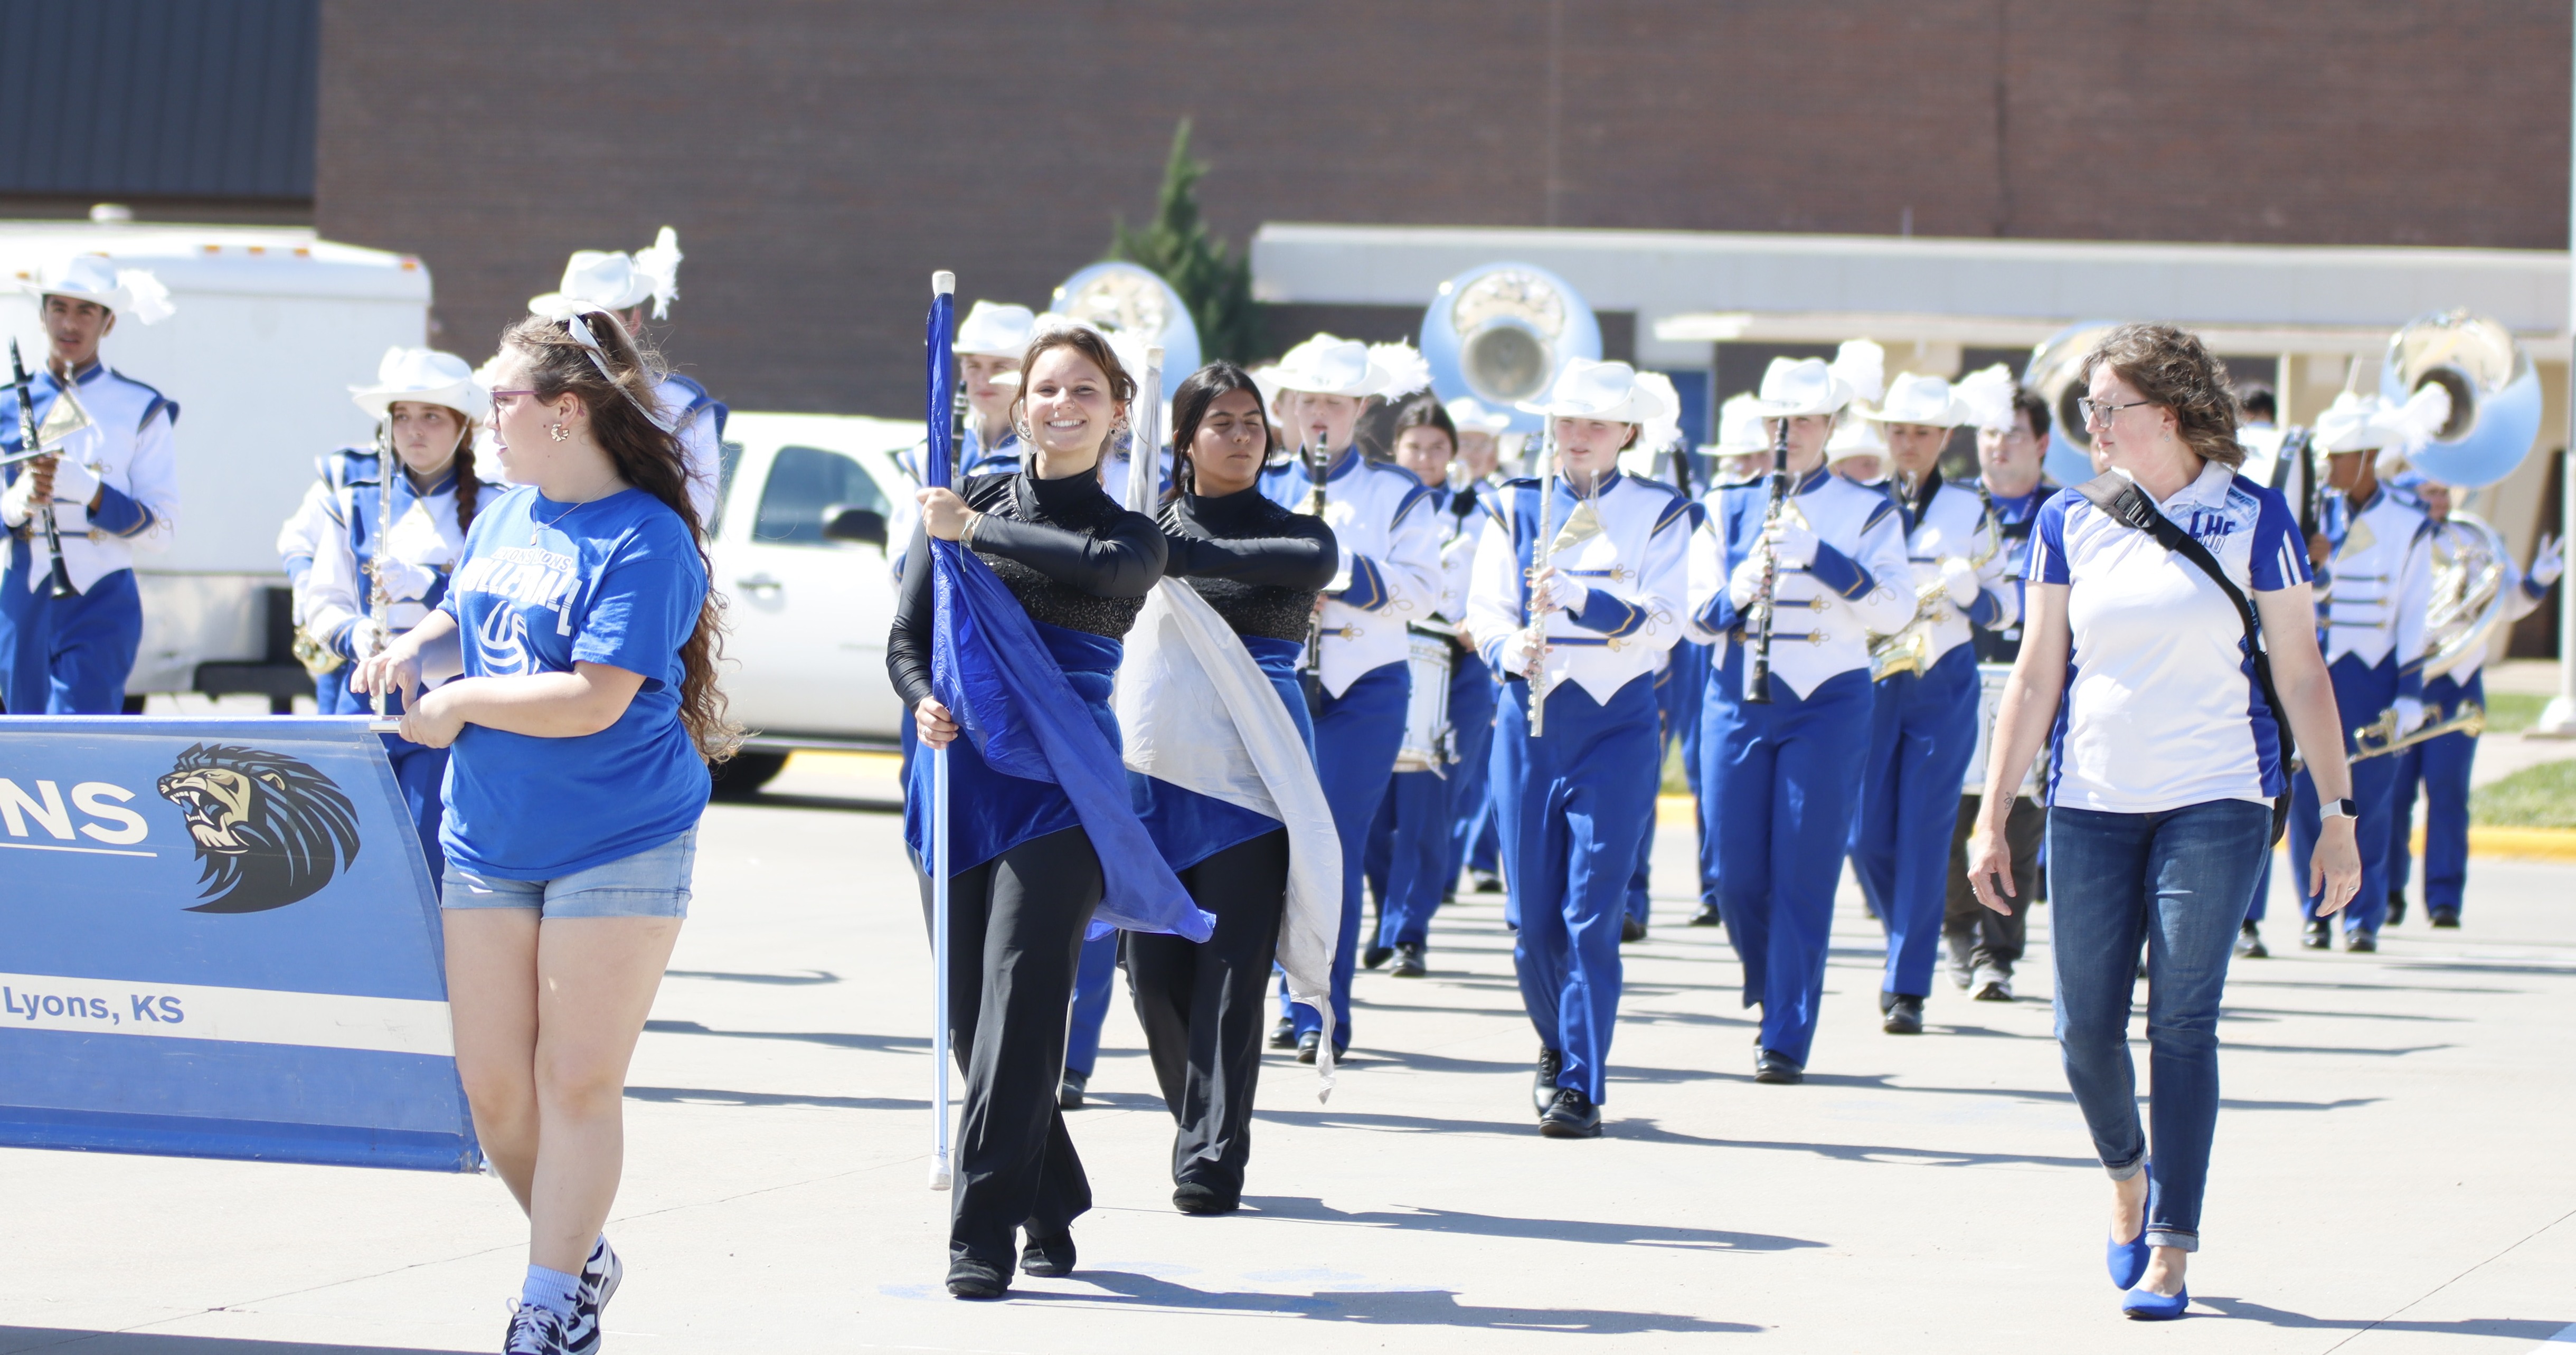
{"x": 2392, "y": 1170}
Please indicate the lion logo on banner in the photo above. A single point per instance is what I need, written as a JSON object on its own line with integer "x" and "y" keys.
{"x": 269, "y": 830}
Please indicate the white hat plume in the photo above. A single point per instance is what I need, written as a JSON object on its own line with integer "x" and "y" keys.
{"x": 1987, "y": 394}
{"x": 660, "y": 262}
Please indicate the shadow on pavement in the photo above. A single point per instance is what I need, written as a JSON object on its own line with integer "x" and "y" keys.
{"x": 2514, "y": 1328}
{"x": 880, "y": 1044}
{"x": 846, "y": 804}
{"x": 708, "y": 1096}
{"x": 22, "y": 1340}
{"x": 1307, "y": 1209}
{"x": 1392, "y": 1308}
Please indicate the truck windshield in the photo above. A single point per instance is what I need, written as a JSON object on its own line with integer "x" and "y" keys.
{"x": 805, "y": 481}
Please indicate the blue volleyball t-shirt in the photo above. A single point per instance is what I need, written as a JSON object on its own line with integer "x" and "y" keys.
{"x": 543, "y": 586}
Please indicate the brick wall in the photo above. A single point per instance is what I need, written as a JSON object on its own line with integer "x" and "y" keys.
{"x": 820, "y": 159}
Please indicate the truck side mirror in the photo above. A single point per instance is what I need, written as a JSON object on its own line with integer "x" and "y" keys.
{"x": 848, "y": 522}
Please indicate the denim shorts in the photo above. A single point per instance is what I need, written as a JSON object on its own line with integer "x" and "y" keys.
{"x": 652, "y": 883}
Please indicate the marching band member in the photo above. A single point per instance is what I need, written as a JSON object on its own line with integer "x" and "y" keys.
{"x": 2371, "y": 607}
{"x": 2442, "y": 764}
{"x": 581, "y": 729}
{"x": 1574, "y": 787}
{"x": 405, "y": 537}
{"x": 1259, "y": 566}
{"x": 1659, "y": 449}
{"x": 1923, "y": 723}
{"x": 1776, "y": 778}
{"x": 1388, "y": 536}
{"x": 1413, "y": 846}
{"x": 606, "y": 280}
{"x": 110, "y": 482}
{"x": 1857, "y": 452}
{"x": 1473, "y": 845}
{"x": 1026, "y": 877}
{"x": 1736, "y": 458}
{"x": 989, "y": 343}
{"x": 2012, "y": 439}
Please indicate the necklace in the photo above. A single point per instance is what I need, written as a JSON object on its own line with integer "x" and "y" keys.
{"x": 537, "y": 530}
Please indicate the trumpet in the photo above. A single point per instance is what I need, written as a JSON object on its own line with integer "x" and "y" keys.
{"x": 2379, "y": 738}
{"x": 1908, "y": 649}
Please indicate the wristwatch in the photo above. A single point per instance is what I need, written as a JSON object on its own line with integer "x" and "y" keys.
{"x": 2337, "y": 809}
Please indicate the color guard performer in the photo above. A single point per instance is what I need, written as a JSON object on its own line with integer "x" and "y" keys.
{"x": 1923, "y": 724}
{"x": 1776, "y": 776}
{"x": 383, "y": 562}
{"x": 2376, "y": 584}
{"x": 606, "y": 280}
{"x": 1389, "y": 539}
{"x": 71, "y": 618}
{"x": 990, "y": 341}
{"x": 1574, "y": 600}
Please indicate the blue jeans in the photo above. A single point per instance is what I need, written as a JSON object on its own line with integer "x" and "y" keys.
{"x": 2179, "y": 881}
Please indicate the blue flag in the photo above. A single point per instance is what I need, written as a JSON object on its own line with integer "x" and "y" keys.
{"x": 992, "y": 670}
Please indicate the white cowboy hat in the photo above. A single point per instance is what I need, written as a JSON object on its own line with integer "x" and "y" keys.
{"x": 2358, "y": 422}
{"x": 1612, "y": 392}
{"x": 428, "y": 377}
{"x": 1855, "y": 437}
{"x": 1325, "y": 365}
{"x": 1739, "y": 428}
{"x": 1917, "y": 399}
{"x": 996, "y": 330}
{"x": 1801, "y": 386}
{"x": 1470, "y": 417}
{"x": 606, "y": 280}
{"x": 96, "y": 278}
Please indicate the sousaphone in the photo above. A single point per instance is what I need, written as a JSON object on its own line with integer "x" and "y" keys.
{"x": 1500, "y": 332}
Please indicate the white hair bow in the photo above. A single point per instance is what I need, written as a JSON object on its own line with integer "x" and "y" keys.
{"x": 581, "y": 334}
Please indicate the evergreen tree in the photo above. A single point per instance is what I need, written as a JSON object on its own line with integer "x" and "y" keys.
{"x": 1178, "y": 246}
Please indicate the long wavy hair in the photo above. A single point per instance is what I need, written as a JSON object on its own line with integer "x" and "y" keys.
{"x": 649, "y": 458}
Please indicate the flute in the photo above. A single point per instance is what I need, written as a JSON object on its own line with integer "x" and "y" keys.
{"x": 33, "y": 447}
{"x": 1542, "y": 551}
{"x": 1757, "y": 664}
{"x": 380, "y": 604}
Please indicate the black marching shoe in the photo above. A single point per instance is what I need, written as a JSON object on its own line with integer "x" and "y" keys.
{"x": 1630, "y": 929}
{"x": 2359, "y": 942}
{"x": 2249, "y": 943}
{"x": 1486, "y": 881}
{"x": 1069, "y": 1090}
{"x": 1374, "y": 956}
{"x": 1408, "y": 961}
{"x": 2444, "y": 921}
{"x": 1777, "y": 1068}
{"x": 1904, "y": 1013}
{"x": 1543, "y": 1087}
{"x": 1284, "y": 1034}
{"x": 1198, "y": 1197}
{"x": 1307, "y": 1044}
{"x": 2319, "y": 935}
{"x": 1572, "y": 1117}
{"x": 2396, "y": 907}
{"x": 1707, "y": 916}
{"x": 1048, "y": 1258}
{"x": 972, "y": 1279}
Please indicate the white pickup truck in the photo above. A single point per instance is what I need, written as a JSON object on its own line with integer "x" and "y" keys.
{"x": 800, "y": 555}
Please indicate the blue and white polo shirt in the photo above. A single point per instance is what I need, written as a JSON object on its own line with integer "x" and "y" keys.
{"x": 2161, "y": 708}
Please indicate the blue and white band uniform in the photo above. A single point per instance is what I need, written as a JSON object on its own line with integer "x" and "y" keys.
{"x": 698, "y": 421}
{"x": 1572, "y": 803}
{"x": 2160, "y": 690}
{"x": 1777, "y": 783}
{"x": 1412, "y": 850}
{"x": 72, "y": 656}
{"x": 1389, "y": 531}
{"x": 1923, "y": 728}
{"x": 2375, "y": 593}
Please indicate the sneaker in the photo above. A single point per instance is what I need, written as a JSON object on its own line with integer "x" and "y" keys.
{"x": 2249, "y": 943}
{"x": 600, "y": 1275}
{"x": 534, "y": 1331}
{"x": 1992, "y": 985}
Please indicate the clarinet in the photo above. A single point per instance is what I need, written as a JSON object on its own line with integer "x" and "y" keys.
{"x": 1542, "y": 554}
{"x": 380, "y": 604}
{"x": 33, "y": 446}
{"x": 1310, "y": 672}
{"x": 1757, "y": 665}
{"x": 956, "y": 434}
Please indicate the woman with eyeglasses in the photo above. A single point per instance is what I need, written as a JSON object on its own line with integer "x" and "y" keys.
{"x": 2166, "y": 760}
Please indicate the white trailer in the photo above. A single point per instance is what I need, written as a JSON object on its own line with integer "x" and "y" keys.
{"x": 273, "y": 325}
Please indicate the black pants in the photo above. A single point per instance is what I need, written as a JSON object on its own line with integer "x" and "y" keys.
{"x": 1990, "y": 938}
{"x": 1015, "y": 928}
{"x": 1205, "y": 1007}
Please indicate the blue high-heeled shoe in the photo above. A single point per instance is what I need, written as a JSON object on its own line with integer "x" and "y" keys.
{"x": 2128, "y": 1260}
{"x": 2146, "y": 1305}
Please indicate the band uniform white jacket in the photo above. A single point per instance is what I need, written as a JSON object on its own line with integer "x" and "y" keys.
{"x": 127, "y": 448}
{"x": 2379, "y": 588}
{"x": 1628, "y": 544}
{"x": 697, "y": 420}
{"x": 1461, "y": 529}
{"x": 1389, "y": 534}
{"x": 1953, "y": 527}
{"x": 421, "y": 548}
{"x": 1823, "y": 621}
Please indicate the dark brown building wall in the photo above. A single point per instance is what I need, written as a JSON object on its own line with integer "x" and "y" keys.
{"x": 821, "y": 159}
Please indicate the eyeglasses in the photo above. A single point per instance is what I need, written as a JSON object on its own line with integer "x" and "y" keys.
{"x": 2102, "y": 414}
{"x": 501, "y": 398}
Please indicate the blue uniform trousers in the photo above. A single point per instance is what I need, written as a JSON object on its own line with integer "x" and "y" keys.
{"x": 1777, "y": 793}
{"x": 1471, "y": 718}
{"x": 1092, "y": 984}
{"x": 1416, "y": 848}
{"x": 2361, "y": 691}
{"x": 66, "y": 657}
{"x": 1570, "y": 802}
{"x": 2442, "y": 765}
{"x": 1923, "y": 730}
{"x": 1356, "y": 735}
{"x": 331, "y": 688}
{"x": 420, "y": 772}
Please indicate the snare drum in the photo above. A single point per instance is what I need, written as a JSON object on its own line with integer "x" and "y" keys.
{"x": 1990, "y": 701}
{"x": 1427, "y": 745}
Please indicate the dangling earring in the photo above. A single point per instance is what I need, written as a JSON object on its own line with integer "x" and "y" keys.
{"x": 558, "y": 432}
{"x": 1022, "y": 430}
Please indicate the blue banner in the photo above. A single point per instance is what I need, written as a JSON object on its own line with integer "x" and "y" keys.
{"x": 218, "y": 939}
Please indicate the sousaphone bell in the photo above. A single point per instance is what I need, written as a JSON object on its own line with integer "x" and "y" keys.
{"x": 2495, "y": 395}
{"x": 2053, "y": 375}
{"x": 1500, "y": 332}
{"x": 1130, "y": 300}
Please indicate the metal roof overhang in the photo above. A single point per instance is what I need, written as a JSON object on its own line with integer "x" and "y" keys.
{"x": 1689, "y": 287}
